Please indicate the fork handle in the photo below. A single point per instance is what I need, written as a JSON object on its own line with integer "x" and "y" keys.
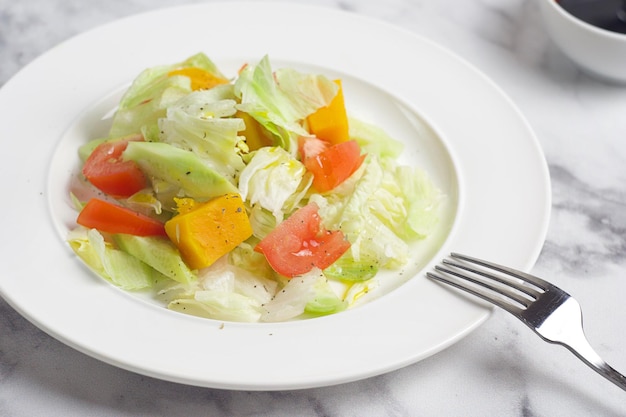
{"x": 583, "y": 350}
{"x": 600, "y": 366}
{"x": 611, "y": 374}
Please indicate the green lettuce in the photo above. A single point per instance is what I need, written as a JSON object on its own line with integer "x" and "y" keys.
{"x": 325, "y": 300}
{"x": 291, "y": 301}
{"x": 114, "y": 265}
{"x": 222, "y": 292}
{"x": 149, "y": 83}
{"x": 309, "y": 294}
{"x": 201, "y": 122}
{"x": 143, "y": 117}
{"x": 281, "y": 100}
{"x": 373, "y": 139}
{"x": 380, "y": 209}
{"x": 218, "y": 305}
{"x": 151, "y": 93}
{"x": 275, "y": 181}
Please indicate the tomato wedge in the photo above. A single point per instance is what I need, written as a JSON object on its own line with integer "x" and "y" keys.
{"x": 111, "y": 218}
{"x": 301, "y": 243}
{"x": 333, "y": 165}
{"x": 106, "y": 170}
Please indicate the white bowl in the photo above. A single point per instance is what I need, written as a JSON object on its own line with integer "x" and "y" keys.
{"x": 599, "y": 52}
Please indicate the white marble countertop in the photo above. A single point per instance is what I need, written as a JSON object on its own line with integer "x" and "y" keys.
{"x": 502, "y": 368}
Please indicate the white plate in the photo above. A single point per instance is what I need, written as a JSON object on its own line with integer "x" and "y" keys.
{"x": 455, "y": 122}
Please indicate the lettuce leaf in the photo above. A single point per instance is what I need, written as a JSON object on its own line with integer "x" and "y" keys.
{"x": 222, "y": 292}
{"x": 143, "y": 117}
{"x": 303, "y": 296}
{"x": 373, "y": 139}
{"x": 275, "y": 181}
{"x": 202, "y": 122}
{"x": 218, "y": 305}
{"x": 380, "y": 210}
{"x": 281, "y": 100}
{"x": 148, "y": 84}
{"x": 291, "y": 301}
{"x": 116, "y": 266}
{"x": 151, "y": 93}
{"x": 325, "y": 300}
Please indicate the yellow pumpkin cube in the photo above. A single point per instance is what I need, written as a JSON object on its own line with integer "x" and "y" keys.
{"x": 331, "y": 123}
{"x": 200, "y": 79}
{"x": 204, "y": 232}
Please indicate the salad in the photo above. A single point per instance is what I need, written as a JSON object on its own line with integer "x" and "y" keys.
{"x": 253, "y": 198}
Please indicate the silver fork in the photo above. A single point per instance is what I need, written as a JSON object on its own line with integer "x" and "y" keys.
{"x": 548, "y": 310}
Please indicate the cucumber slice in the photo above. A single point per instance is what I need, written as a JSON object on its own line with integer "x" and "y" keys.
{"x": 157, "y": 252}
{"x": 180, "y": 168}
{"x": 116, "y": 266}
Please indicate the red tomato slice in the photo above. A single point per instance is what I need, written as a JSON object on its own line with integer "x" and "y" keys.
{"x": 300, "y": 243}
{"x": 334, "y": 165}
{"x": 106, "y": 170}
{"x": 111, "y": 218}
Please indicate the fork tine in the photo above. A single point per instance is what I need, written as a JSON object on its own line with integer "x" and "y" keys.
{"x": 531, "y": 279}
{"x": 498, "y": 276}
{"x": 486, "y": 294}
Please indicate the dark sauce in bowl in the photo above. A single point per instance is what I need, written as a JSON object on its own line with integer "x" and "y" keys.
{"x": 605, "y": 14}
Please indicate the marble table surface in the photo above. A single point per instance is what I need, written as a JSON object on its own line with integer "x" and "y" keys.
{"x": 502, "y": 368}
